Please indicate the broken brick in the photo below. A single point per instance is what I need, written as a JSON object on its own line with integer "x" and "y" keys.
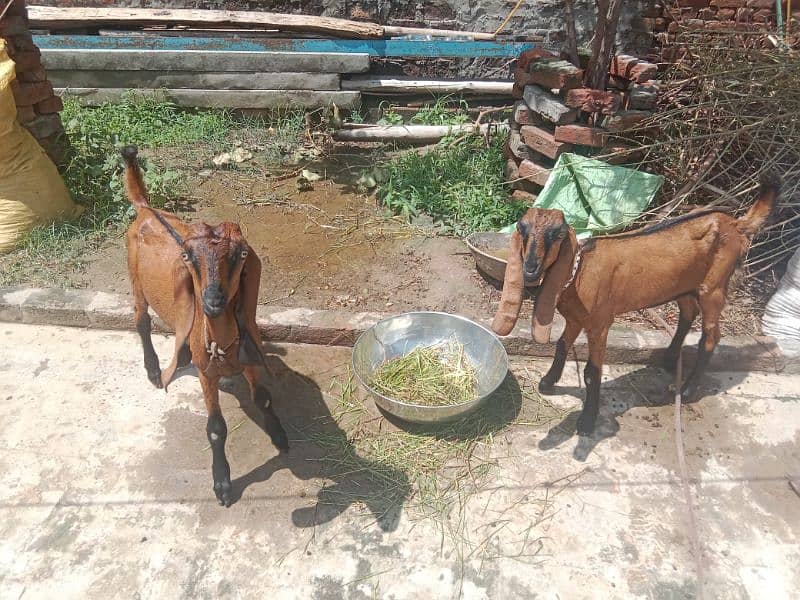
{"x": 729, "y": 3}
{"x": 547, "y": 105}
{"x": 592, "y": 101}
{"x": 761, "y": 4}
{"x": 726, "y": 14}
{"x": 31, "y": 76}
{"x": 515, "y": 149}
{"x": 29, "y": 60}
{"x": 49, "y": 106}
{"x": 28, "y": 94}
{"x": 526, "y": 58}
{"x": 25, "y": 114}
{"x": 45, "y": 126}
{"x": 10, "y": 26}
{"x": 581, "y": 135}
{"x": 630, "y": 67}
{"x": 543, "y": 141}
{"x": 524, "y": 115}
{"x": 534, "y": 172}
{"x": 624, "y": 119}
{"x": 553, "y": 73}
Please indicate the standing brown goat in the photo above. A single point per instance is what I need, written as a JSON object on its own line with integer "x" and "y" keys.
{"x": 202, "y": 281}
{"x": 689, "y": 259}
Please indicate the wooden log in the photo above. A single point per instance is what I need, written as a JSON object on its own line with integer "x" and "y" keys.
{"x": 189, "y": 80}
{"x": 422, "y": 86}
{"x": 394, "y": 31}
{"x": 547, "y": 105}
{"x": 81, "y": 18}
{"x": 543, "y": 141}
{"x": 188, "y": 60}
{"x": 256, "y": 99}
{"x": 413, "y": 133}
{"x": 593, "y": 101}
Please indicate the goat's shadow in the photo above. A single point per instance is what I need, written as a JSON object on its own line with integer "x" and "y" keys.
{"x": 619, "y": 395}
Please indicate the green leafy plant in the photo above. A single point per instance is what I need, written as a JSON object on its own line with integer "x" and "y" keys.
{"x": 388, "y": 115}
{"x": 459, "y": 183}
{"x": 440, "y": 114}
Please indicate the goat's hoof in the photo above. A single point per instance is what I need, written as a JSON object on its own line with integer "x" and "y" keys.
{"x": 546, "y": 387}
{"x": 222, "y": 490}
{"x": 155, "y": 378}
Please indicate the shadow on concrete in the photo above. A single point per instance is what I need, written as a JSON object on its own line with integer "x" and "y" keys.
{"x": 315, "y": 440}
{"x": 612, "y": 405}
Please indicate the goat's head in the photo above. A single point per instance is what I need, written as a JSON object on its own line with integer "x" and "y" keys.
{"x": 542, "y": 252}
{"x": 215, "y": 258}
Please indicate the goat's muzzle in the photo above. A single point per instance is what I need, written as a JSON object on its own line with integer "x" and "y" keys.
{"x": 213, "y": 301}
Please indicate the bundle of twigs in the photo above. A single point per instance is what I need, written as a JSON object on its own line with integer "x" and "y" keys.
{"x": 729, "y": 109}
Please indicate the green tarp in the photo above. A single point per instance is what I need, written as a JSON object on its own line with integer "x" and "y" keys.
{"x": 595, "y": 197}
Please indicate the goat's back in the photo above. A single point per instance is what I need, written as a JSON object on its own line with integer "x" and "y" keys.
{"x": 152, "y": 255}
{"x": 652, "y": 266}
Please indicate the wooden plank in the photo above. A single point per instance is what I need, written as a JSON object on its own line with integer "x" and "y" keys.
{"x": 190, "y": 80}
{"x": 256, "y": 99}
{"x": 433, "y": 86}
{"x": 384, "y": 48}
{"x": 209, "y": 61}
{"x": 80, "y": 18}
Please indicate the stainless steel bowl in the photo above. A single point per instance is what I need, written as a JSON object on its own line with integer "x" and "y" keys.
{"x": 482, "y": 244}
{"x": 399, "y": 335}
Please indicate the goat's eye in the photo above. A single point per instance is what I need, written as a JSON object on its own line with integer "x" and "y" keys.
{"x": 185, "y": 256}
{"x": 244, "y": 254}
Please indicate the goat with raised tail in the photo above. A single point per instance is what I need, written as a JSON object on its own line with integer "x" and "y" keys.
{"x": 202, "y": 281}
{"x": 689, "y": 259}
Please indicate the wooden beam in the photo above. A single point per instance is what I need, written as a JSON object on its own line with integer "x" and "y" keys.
{"x": 190, "y": 80}
{"x": 387, "y": 48}
{"x": 417, "y": 86}
{"x": 255, "y": 99}
{"x": 210, "y": 61}
{"x": 81, "y": 18}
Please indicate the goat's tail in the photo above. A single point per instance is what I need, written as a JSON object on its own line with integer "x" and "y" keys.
{"x": 134, "y": 184}
{"x": 761, "y": 211}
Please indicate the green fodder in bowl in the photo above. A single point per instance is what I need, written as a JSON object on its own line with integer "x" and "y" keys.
{"x": 435, "y": 375}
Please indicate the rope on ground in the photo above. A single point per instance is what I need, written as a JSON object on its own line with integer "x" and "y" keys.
{"x": 687, "y": 493}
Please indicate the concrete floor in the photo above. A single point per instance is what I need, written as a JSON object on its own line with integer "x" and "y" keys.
{"x": 107, "y": 491}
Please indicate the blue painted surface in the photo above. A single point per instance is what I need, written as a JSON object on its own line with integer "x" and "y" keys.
{"x": 417, "y": 48}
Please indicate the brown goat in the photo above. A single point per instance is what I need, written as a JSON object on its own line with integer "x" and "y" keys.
{"x": 689, "y": 259}
{"x": 202, "y": 281}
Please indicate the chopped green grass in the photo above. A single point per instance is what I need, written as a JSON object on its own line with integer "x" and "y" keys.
{"x": 435, "y": 375}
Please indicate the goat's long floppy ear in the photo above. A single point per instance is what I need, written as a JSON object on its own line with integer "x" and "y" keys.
{"x": 183, "y": 301}
{"x": 511, "y": 300}
{"x": 249, "y": 345}
{"x": 554, "y": 280}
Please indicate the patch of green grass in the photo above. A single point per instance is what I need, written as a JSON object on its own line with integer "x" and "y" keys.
{"x": 459, "y": 183}
{"x": 439, "y": 113}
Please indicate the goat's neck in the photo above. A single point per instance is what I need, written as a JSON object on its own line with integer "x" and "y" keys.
{"x": 223, "y": 329}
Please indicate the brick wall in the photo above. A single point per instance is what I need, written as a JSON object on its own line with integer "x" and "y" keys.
{"x": 666, "y": 19}
{"x": 37, "y": 105}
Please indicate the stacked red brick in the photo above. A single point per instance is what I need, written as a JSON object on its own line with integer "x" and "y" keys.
{"x": 37, "y": 104}
{"x": 666, "y": 19}
{"x": 556, "y": 114}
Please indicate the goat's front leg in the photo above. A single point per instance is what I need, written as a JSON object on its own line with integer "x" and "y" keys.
{"x": 689, "y": 309}
{"x": 592, "y": 375}
{"x": 263, "y": 400}
{"x": 217, "y": 432}
{"x": 571, "y": 332}
{"x": 711, "y": 305}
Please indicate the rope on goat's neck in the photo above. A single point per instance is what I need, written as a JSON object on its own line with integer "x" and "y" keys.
{"x": 576, "y": 263}
{"x": 213, "y": 349}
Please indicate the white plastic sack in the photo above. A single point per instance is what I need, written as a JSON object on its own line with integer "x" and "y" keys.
{"x": 782, "y": 315}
